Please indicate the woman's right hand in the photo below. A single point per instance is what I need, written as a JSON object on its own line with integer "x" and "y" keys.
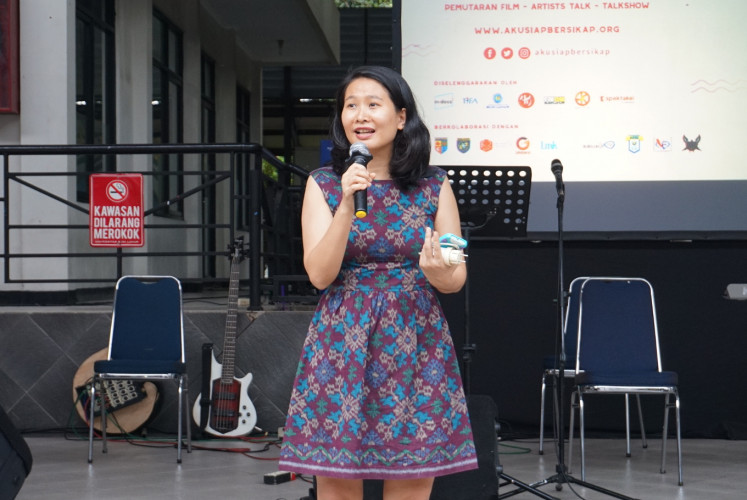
{"x": 355, "y": 178}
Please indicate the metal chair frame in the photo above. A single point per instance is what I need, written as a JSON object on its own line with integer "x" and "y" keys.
{"x": 570, "y": 373}
{"x": 179, "y": 375}
{"x": 584, "y": 387}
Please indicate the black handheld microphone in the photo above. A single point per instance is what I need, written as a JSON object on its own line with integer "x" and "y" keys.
{"x": 359, "y": 154}
{"x": 557, "y": 169}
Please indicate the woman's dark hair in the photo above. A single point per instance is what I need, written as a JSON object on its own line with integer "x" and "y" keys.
{"x": 412, "y": 144}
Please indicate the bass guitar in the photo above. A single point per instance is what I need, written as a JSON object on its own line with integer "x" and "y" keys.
{"x": 231, "y": 412}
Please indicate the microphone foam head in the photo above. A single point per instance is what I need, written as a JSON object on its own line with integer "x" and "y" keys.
{"x": 358, "y": 147}
{"x": 556, "y": 166}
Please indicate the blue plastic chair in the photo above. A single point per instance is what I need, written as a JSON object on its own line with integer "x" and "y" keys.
{"x": 550, "y": 369}
{"x": 146, "y": 342}
{"x": 618, "y": 348}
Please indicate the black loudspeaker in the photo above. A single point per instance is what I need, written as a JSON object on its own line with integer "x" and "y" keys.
{"x": 480, "y": 483}
{"x": 477, "y": 484}
{"x": 15, "y": 459}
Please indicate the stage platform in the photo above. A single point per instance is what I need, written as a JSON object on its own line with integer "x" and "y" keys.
{"x": 714, "y": 470}
{"x": 45, "y": 346}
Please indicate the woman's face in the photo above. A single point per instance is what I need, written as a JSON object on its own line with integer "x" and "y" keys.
{"x": 369, "y": 116}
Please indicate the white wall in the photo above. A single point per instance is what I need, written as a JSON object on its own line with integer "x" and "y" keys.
{"x": 47, "y": 41}
{"x": 47, "y": 76}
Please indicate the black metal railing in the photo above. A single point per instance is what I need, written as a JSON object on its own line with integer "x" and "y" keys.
{"x": 267, "y": 209}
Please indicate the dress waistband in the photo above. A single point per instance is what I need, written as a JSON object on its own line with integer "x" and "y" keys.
{"x": 392, "y": 280}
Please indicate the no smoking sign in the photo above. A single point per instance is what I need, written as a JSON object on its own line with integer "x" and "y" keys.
{"x": 116, "y": 210}
{"x": 116, "y": 190}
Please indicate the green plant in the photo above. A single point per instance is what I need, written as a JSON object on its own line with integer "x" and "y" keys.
{"x": 363, "y": 3}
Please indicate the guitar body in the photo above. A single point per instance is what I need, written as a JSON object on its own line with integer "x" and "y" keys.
{"x": 231, "y": 413}
{"x": 121, "y": 420}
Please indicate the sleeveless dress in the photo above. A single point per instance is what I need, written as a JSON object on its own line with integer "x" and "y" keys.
{"x": 378, "y": 394}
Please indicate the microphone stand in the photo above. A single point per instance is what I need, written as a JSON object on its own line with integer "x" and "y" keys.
{"x": 561, "y": 474}
{"x": 468, "y": 350}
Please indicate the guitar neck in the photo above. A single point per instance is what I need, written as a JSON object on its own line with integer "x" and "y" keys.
{"x": 229, "y": 338}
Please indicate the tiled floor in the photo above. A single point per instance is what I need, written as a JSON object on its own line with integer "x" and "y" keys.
{"x": 713, "y": 470}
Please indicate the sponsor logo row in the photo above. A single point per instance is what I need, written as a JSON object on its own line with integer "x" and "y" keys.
{"x": 524, "y": 145}
{"x": 524, "y": 100}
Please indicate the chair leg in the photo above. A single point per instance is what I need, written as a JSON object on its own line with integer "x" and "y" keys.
{"x": 555, "y": 405}
{"x": 679, "y": 437}
{"x": 102, "y": 404}
{"x": 180, "y": 417}
{"x": 665, "y": 431}
{"x": 183, "y": 418}
{"x": 581, "y": 432}
{"x": 570, "y": 431}
{"x": 91, "y": 399}
{"x": 644, "y": 442}
{"x": 542, "y": 412}
{"x": 627, "y": 425}
{"x": 187, "y": 414}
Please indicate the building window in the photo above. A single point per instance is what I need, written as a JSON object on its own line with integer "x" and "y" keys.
{"x": 167, "y": 114}
{"x": 243, "y": 136}
{"x": 207, "y": 132}
{"x": 94, "y": 86}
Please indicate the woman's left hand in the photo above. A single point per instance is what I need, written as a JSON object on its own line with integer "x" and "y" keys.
{"x": 443, "y": 277}
{"x": 430, "y": 255}
{"x": 438, "y": 273}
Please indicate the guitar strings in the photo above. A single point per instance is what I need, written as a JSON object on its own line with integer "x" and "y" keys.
{"x": 226, "y": 396}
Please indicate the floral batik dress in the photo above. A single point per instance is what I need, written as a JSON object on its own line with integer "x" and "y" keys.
{"x": 378, "y": 394}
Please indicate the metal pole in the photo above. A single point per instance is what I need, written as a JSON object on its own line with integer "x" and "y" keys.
{"x": 255, "y": 269}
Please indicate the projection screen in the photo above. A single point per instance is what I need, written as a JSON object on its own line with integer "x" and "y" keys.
{"x": 643, "y": 103}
